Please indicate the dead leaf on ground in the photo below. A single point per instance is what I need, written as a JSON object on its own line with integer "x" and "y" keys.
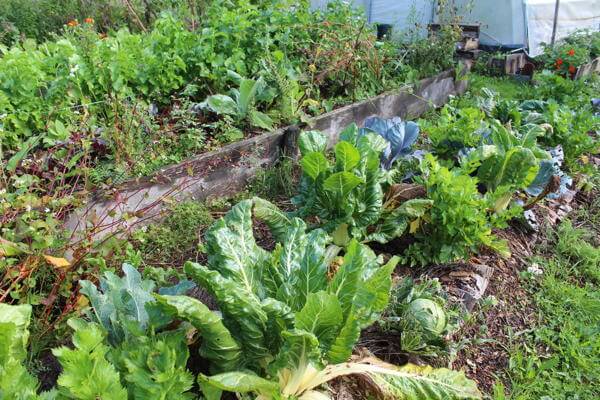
{"x": 58, "y": 262}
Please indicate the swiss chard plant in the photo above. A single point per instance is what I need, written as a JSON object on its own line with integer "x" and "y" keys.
{"x": 509, "y": 163}
{"x": 348, "y": 196}
{"x": 455, "y": 129}
{"x": 240, "y": 105}
{"x": 505, "y": 111}
{"x": 289, "y": 318}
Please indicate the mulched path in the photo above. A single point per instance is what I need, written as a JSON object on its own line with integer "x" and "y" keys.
{"x": 486, "y": 356}
{"x": 485, "y": 360}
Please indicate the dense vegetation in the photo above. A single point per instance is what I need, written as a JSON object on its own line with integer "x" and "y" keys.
{"x": 571, "y": 52}
{"x": 80, "y": 109}
{"x": 288, "y": 284}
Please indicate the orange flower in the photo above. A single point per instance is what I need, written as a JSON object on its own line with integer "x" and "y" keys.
{"x": 572, "y": 69}
{"x": 72, "y": 23}
{"x": 571, "y": 52}
{"x": 89, "y": 20}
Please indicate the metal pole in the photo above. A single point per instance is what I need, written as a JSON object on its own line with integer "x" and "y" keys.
{"x": 555, "y": 22}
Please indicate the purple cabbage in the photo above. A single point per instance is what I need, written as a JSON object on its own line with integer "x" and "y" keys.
{"x": 400, "y": 136}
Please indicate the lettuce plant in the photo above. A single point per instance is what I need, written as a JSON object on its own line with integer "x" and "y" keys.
{"x": 15, "y": 381}
{"x": 347, "y": 196}
{"x": 290, "y": 318}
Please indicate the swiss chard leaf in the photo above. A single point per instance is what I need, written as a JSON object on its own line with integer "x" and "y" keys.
{"x": 341, "y": 184}
{"x": 234, "y": 252}
{"x": 314, "y": 164}
{"x": 218, "y": 345}
{"x": 243, "y": 314}
{"x": 322, "y": 316}
{"x": 362, "y": 288}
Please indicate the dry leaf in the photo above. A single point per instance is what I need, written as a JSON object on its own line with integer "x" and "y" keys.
{"x": 415, "y": 225}
{"x": 82, "y": 302}
{"x": 58, "y": 262}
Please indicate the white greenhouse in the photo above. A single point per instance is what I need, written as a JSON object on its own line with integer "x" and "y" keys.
{"x": 504, "y": 23}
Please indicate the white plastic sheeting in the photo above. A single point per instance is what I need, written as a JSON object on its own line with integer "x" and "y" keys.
{"x": 509, "y": 23}
{"x": 502, "y": 21}
{"x": 399, "y": 13}
{"x": 572, "y": 15}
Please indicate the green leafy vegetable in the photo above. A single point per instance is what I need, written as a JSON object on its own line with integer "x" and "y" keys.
{"x": 86, "y": 372}
{"x": 120, "y": 305}
{"x": 241, "y": 103}
{"x": 281, "y": 319}
{"x": 458, "y": 222}
{"x": 154, "y": 367}
{"x": 417, "y": 312}
{"x": 348, "y": 196}
{"x": 15, "y": 382}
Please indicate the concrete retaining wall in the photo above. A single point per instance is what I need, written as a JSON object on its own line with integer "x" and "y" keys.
{"x": 227, "y": 170}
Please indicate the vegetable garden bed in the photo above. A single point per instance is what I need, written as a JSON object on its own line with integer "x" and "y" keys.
{"x": 225, "y": 171}
{"x": 347, "y": 256}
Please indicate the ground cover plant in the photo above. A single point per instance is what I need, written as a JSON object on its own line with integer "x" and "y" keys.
{"x": 566, "y": 294}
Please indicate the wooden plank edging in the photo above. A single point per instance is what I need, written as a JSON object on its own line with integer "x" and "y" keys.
{"x": 227, "y": 170}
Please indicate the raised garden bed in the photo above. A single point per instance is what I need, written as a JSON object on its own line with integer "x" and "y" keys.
{"x": 227, "y": 170}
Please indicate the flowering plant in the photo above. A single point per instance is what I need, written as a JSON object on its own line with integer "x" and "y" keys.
{"x": 565, "y": 58}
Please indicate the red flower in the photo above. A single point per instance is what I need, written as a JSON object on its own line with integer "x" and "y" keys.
{"x": 571, "y": 52}
{"x": 572, "y": 69}
{"x": 559, "y": 62}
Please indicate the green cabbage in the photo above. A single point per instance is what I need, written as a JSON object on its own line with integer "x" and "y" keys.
{"x": 429, "y": 314}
